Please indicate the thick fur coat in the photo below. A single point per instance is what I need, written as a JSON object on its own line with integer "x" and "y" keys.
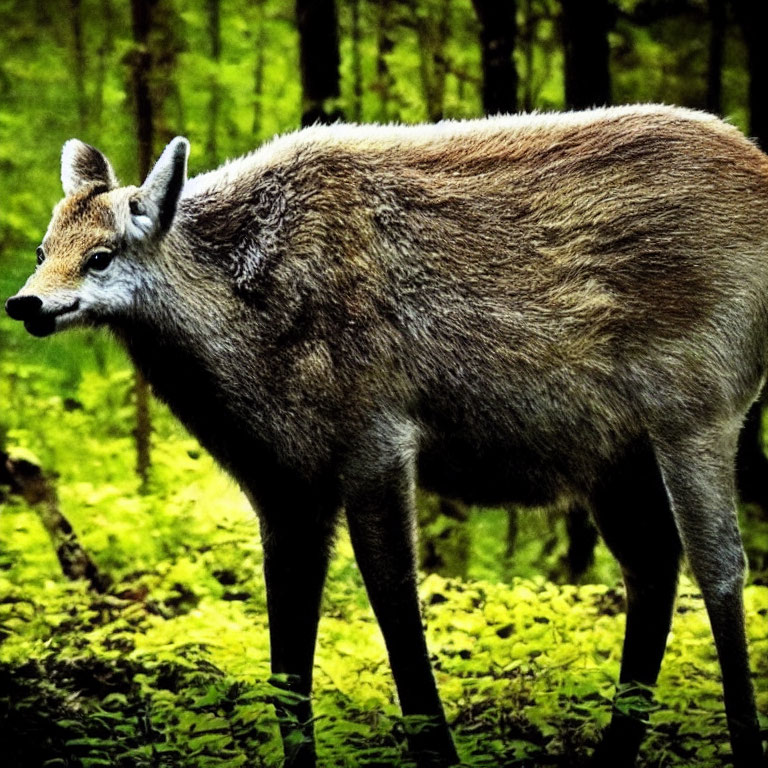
{"x": 518, "y": 299}
{"x": 515, "y": 309}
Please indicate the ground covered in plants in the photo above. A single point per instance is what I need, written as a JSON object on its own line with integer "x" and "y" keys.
{"x": 169, "y": 665}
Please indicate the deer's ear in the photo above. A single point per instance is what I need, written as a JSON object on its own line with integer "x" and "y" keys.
{"x": 154, "y": 206}
{"x": 83, "y": 165}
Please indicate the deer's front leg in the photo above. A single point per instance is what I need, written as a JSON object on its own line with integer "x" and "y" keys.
{"x": 380, "y": 512}
{"x": 296, "y": 537}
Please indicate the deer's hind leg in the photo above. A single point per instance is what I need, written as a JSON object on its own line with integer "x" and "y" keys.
{"x": 698, "y": 473}
{"x": 633, "y": 514}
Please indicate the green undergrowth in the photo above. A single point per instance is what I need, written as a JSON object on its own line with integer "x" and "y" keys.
{"x": 171, "y": 666}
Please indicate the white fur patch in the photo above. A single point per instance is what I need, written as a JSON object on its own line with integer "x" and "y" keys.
{"x": 140, "y": 226}
{"x": 248, "y": 263}
{"x": 70, "y": 180}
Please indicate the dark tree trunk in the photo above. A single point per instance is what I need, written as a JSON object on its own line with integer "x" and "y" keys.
{"x": 357, "y": 65}
{"x": 585, "y": 26}
{"x": 165, "y": 44}
{"x": 752, "y": 465}
{"x": 444, "y": 537}
{"x": 384, "y": 46}
{"x": 513, "y": 528}
{"x": 498, "y": 31}
{"x": 76, "y": 22}
{"x": 142, "y": 64}
{"x": 582, "y": 539}
{"x": 319, "y": 60}
{"x": 715, "y": 63}
{"x": 432, "y": 33}
{"x": 106, "y": 48}
{"x": 753, "y": 19}
{"x": 528, "y": 32}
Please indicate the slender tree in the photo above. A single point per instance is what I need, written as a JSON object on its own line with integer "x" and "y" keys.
{"x": 165, "y": 44}
{"x": 103, "y": 54}
{"x": 319, "y": 60}
{"x": 527, "y": 33}
{"x": 498, "y": 31}
{"x": 432, "y": 30}
{"x": 385, "y": 44}
{"x": 717, "y": 19}
{"x": 79, "y": 68}
{"x": 585, "y": 27}
{"x": 533, "y": 37}
{"x": 753, "y": 20}
{"x": 357, "y": 64}
{"x": 141, "y": 17}
{"x": 152, "y": 68}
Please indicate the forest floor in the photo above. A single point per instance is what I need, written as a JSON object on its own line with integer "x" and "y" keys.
{"x": 169, "y": 666}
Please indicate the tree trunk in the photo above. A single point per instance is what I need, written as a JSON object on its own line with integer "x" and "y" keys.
{"x": 498, "y": 30}
{"x": 444, "y": 536}
{"x": 432, "y": 34}
{"x": 357, "y": 67}
{"x": 753, "y": 20}
{"x": 751, "y": 464}
{"x": 513, "y": 528}
{"x": 78, "y": 53}
{"x": 142, "y": 64}
{"x": 164, "y": 45}
{"x": 528, "y": 31}
{"x": 319, "y": 60}
{"x": 585, "y": 26}
{"x": 214, "y": 100}
{"x": 715, "y": 62}
{"x": 106, "y": 48}
{"x": 384, "y": 46}
{"x": 582, "y": 539}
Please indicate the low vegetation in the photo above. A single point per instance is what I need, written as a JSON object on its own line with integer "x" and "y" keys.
{"x": 169, "y": 666}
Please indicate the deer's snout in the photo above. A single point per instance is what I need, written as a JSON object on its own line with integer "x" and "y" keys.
{"x": 23, "y": 307}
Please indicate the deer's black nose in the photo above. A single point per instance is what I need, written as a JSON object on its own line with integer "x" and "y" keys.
{"x": 23, "y": 307}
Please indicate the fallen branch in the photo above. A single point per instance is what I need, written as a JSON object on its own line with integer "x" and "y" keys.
{"x": 26, "y": 478}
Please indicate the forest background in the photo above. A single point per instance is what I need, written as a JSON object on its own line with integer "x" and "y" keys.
{"x": 132, "y": 609}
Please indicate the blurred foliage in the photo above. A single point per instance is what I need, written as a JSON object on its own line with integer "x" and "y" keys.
{"x": 170, "y": 667}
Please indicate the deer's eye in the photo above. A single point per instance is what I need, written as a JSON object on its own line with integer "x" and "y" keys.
{"x": 99, "y": 260}
{"x": 40, "y": 253}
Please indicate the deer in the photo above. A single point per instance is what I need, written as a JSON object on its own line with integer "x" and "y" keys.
{"x": 518, "y": 309}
